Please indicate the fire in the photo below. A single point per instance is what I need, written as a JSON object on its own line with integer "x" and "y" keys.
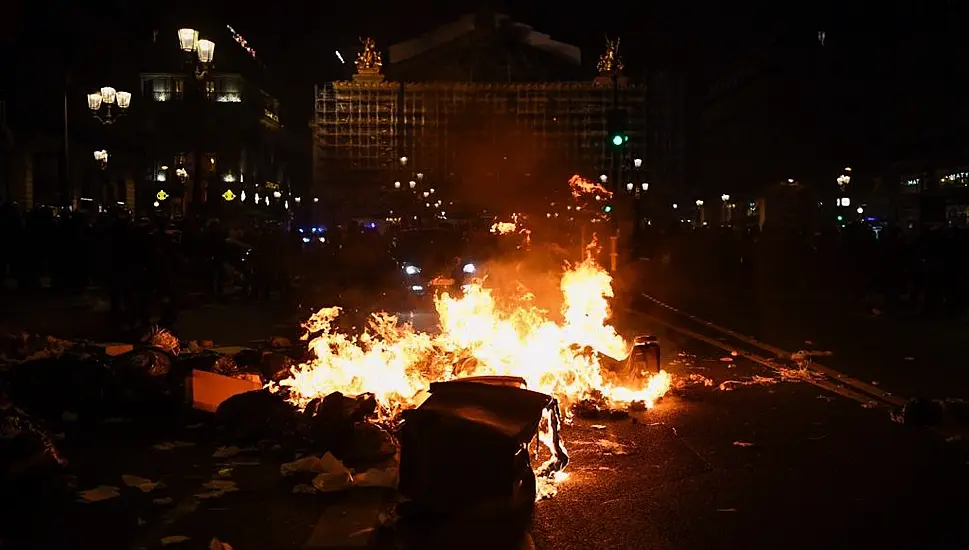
{"x": 478, "y": 336}
{"x": 581, "y": 186}
{"x": 503, "y": 228}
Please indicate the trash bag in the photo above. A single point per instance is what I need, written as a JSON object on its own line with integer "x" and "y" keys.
{"x": 366, "y": 446}
{"x": 331, "y": 419}
{"x": 257, "y": 415}
{"x": 27, "y": 453}
{"x": 48, "y": 387}
{"x": 275, "y": 366}
{"x": 145, "y": 361}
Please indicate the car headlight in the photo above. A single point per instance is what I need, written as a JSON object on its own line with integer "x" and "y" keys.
{"x": 411, "y": 269}
{"x": 469, "y": 268}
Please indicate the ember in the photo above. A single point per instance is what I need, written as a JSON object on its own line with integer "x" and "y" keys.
{"x": 478, "y": 337}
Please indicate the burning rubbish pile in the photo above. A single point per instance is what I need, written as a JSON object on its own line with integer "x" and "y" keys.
{"x": 383, "y": 407}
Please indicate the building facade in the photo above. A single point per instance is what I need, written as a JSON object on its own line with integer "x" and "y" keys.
{"x": 212, "y": 130}
{"x": 485, "y": 110}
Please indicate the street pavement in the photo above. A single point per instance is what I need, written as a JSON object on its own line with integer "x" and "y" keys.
{"x": 767, "y": 464}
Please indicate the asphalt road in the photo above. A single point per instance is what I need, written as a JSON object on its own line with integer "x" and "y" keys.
{"x": 766, "y": 465}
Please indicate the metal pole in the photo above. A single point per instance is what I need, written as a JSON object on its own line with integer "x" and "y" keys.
{"x": 69, "y": 192}
{"x": 614, "y": 169}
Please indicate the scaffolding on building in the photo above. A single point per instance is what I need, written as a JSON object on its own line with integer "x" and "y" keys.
{"x": 364, "y": 127}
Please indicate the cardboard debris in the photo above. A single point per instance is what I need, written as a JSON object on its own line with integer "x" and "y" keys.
{"x": 207, "y": 390}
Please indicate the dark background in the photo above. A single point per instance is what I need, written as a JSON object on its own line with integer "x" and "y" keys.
{"x": 887, "y": 83}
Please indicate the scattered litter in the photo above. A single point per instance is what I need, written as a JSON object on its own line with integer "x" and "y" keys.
{"x": 823, "y": 397}
{"x": 217, "y": 488}
{"x": 102, "y": 492}
{"x": 174, "y": 539}
{"x": 217, "y": 544}
{"x": 164, "y": 501}
{"x": 726, "y": 509}
{"x": 68, "y": 416}
{"x": 314, "y": 464}
{"x": 169, "y": 445}
{"x": 146, "y": 485}
{"x": 730, "y": 385}
{"x": 744, "y": 444}
{"x": 612, "y": 447}
{"x": 799, "y": 374}
{"x": 598, "y": 426}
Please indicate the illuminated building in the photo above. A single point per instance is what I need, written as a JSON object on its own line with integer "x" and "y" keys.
{"x": 483, "y": 104}
{"x": 219, "y": 126}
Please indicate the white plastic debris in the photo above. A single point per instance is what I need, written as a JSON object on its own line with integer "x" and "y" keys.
{"x": 146, "y": 485}
{"x": 102, "y": 492}
{"x": 312, "y": 464}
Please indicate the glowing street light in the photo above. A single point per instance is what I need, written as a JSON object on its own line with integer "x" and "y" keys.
{"x": 725, "y": 197}
{"x": 644, "y": 186}
{"x": 412, "y": 184}
{"x": 396, "y": 185}
{"x": 629, "y": 186}
{"x": 188, "y": 41}
{"x": 638, "y": 163}
{"x": 699, "y": 203}
{"x": 101, "y": 101}
{"x": 101, "y": 157}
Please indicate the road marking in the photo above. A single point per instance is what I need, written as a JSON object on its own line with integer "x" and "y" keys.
{"x": 824, "y": 384}
{"x": 863, "y": 387}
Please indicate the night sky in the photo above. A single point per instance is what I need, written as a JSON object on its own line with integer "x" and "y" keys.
{"x": 886, "y": 71}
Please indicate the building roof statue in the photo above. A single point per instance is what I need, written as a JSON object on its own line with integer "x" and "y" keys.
{"x": 610, "y": 62}
{"x": 368, "y": 60}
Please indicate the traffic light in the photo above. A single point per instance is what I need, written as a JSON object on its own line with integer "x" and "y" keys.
{"x": 618, "y": 128}
{"x": 607, "y": 208}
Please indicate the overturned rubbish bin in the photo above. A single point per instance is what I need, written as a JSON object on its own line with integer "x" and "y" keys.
{"x": 468, "y": 443}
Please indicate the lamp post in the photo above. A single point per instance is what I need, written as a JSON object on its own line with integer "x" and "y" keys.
{"x": 701, "y": 211}
{"x": 100, "y": 104}
{"x": 199, "y": 54}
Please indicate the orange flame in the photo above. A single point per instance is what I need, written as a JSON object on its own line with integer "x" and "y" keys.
{"x": 581, "y": 186}
{"x": 477, "y": 337}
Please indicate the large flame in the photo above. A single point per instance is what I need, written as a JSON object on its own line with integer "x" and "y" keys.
{"x": 477, "y": 337}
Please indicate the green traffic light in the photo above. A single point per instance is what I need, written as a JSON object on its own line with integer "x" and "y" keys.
{"x": 607, "y": 209}
{"x": 840, "y": 218}
{"x": 617, "y": 139}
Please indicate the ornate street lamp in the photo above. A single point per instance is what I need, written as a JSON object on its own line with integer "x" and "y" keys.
{"x": 204, "y": 50}
{"x": 100, "y": 103}
{"x": 101, "y": 157}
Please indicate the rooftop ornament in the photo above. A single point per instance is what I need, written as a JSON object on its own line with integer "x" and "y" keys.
{"x": 368, "y": 61}
{"x": 610, "y": 62}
